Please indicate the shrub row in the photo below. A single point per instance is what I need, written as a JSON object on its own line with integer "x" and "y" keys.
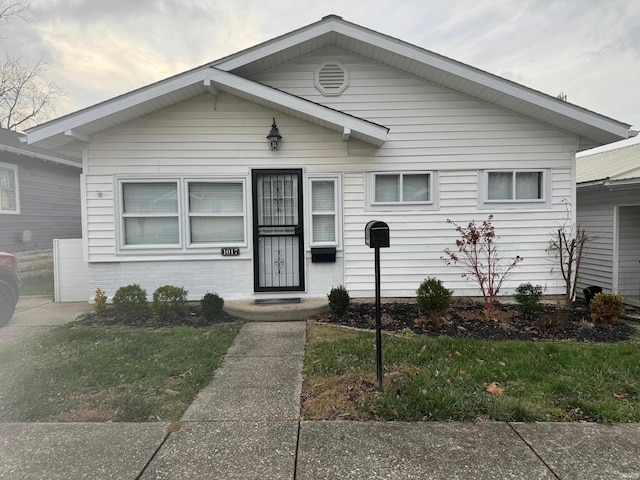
{"x": 168, "y": 303}
{"x": 435, "y": 300}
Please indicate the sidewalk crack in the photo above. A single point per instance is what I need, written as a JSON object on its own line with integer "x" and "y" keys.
{"x": 146, "y": 465}
{"x": 534, "y": 451}
{"x": 295, "y": 457}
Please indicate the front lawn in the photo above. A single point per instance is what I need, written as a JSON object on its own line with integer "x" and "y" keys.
{"x": 460, "y": 379}
{"x": 118, "y": 373}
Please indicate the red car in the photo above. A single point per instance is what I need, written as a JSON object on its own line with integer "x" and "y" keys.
{"x": 9, "y": 287}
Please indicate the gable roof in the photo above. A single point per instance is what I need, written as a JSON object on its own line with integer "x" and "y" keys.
{"x": 621, "y": 164}
{"x": 592, "y": 129}
{"x": 13, "y": 142}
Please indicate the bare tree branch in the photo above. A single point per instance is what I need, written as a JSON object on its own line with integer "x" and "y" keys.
{"x": 26, "y": 97}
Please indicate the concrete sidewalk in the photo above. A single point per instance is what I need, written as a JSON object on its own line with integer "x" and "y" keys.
{"x": 246, "y": 425}
{"x": 38, "y": 313}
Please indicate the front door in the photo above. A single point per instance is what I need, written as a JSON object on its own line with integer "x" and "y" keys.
{"x": 277, "y": 230}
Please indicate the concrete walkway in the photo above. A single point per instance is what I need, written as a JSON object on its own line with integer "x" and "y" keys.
{"x": 246, "y": 425}
{"x": 38, "y": 313}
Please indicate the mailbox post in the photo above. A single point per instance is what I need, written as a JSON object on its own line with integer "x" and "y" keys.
{"x": 376, "y": 236}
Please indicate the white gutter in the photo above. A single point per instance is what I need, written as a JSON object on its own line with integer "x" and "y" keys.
{"x": 40, "y": 156}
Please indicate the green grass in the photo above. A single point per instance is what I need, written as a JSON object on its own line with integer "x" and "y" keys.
{"x": 446, "y": 379}
{"x": 79, "y": 373}
{"x": 38, "y": 285}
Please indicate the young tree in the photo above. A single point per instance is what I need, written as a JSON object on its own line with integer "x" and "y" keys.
{"x": 567, "y": 244}
{"x": 26, "y": 98}
{"x": 480, "y": 260}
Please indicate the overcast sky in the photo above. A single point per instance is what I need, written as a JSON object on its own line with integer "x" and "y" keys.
{"x": 97, "y": 49}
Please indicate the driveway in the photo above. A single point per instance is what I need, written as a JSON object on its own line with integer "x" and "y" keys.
{"x": 37, "y": 313}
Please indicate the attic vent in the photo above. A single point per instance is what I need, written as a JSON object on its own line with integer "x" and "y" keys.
{"x": 331, "y": 78}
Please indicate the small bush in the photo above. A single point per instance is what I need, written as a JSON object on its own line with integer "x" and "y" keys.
{"x": 130, "y": 304}
{"x": 170, "y": 303}
{"x": 339, "y": 300}
{"x": 433, "y": 297}
{"x": 528, "y": 298}
{"x": 100, "y": 302}
{"x": 212, "y": 304}
{"x": 605, "y": 308}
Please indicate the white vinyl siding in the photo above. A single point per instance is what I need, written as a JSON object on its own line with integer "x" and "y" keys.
{"x": 9, "y": 196}
{"x": 629, "y": 253}
{"x": 432, "y": 130}
{"x": 611, "y": 257}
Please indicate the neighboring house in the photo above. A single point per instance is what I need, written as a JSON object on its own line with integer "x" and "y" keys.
{"x": 181, "y": 188}
{"x": 39, "y": 195}
{"x": 609, "y": 210}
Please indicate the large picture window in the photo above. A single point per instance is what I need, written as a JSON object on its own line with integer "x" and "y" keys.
{"x": 181, "y": 213}
{"x": 9, "y": 199}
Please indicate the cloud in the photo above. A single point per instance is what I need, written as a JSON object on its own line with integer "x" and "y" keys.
{"x": 98, "y": 49}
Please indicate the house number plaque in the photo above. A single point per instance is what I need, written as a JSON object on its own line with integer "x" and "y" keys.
{"x": 230, "y": 252}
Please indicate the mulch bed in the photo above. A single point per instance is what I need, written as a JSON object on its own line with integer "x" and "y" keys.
{"x": 194, "y": 319}
{"x": 466, "y": 319}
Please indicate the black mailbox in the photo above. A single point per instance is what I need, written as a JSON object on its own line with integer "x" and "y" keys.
{"x": 376, "y": 234}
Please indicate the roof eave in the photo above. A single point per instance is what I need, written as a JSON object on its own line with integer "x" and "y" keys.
{"x": 609, "y": 184}
{"x": 224, "y": 81}
{"x": 594, "y": 129}
{"x": 40, "y": 156}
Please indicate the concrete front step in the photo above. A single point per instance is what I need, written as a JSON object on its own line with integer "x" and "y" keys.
{"x": 277, "y": 312}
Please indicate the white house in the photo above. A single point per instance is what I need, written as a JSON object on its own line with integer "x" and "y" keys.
{"x": 609, "y": 210}
{"x": 180, "y": 186}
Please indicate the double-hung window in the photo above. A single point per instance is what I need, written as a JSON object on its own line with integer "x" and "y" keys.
{"x": 324, "y": 211}
{"x": 517, "y": 188}
{"x": 181, "y": 213}
{"x": 9, "y": 198}
{"x": 216, "y": 212}
{"x": 150, "y": 215}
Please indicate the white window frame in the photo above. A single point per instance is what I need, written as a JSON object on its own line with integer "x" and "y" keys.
{"x": 122, "y": 216}
{"x": 514, "y": 203}
{"x": 184, "y": 244}
{"x": 188, "y": 214}
{"x": 431, "y": 204}
{"x": 14, "y": 169}
{"x": 337, "y": 180}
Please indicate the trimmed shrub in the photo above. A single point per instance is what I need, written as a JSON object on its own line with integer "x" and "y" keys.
{"x": 212, "y": 305}
{"x": 130, "y": 304}
{"x": 528, "y": 298}
{"x": 339, "y": 300}
{"x": 170, "y": 303}
{"x": 100, "y": 302}
{"x": 433, "y": 297}
{"x": 606, "y": 308}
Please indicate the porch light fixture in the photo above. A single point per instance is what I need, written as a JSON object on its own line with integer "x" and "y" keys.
{"x": 274, "y": 137}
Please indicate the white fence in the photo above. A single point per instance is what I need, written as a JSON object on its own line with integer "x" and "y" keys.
{"x": 70, "y": 272}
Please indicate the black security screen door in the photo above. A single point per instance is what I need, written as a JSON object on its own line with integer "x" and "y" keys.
{"x": 277, "y": 230}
